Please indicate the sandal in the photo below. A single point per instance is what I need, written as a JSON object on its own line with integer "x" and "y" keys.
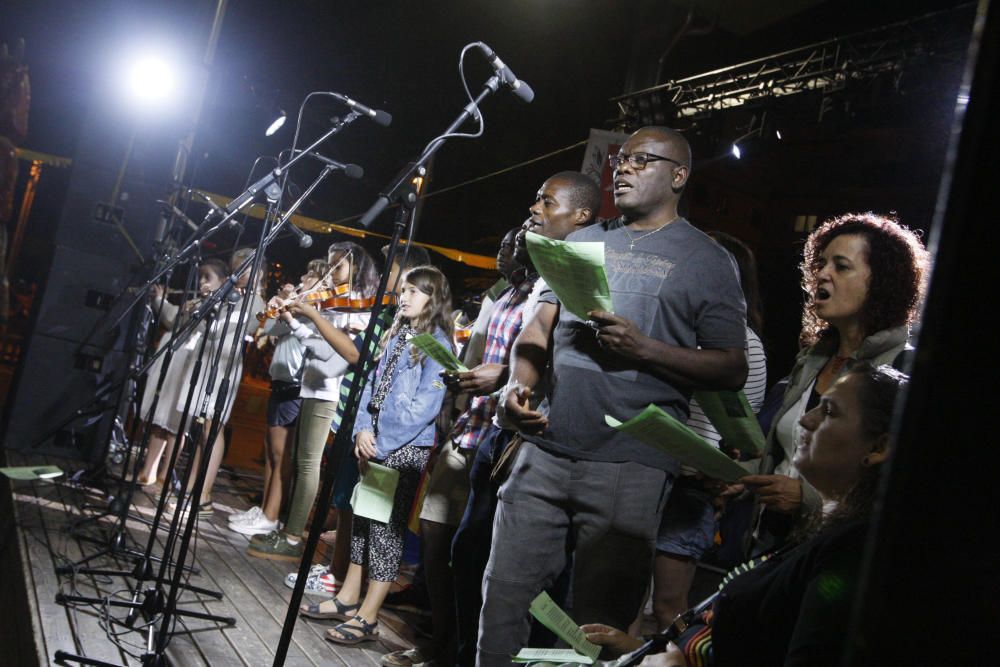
{"x": 344, "y": 612}
{"x": 352, "y": 634}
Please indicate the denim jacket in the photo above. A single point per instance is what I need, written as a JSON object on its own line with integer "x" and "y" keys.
{"x": 414, "y": 400}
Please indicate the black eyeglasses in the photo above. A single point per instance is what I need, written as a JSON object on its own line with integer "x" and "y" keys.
{"x": 638, "y": 161}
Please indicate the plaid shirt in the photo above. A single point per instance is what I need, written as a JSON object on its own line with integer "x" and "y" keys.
{"x": 504, "y": 325}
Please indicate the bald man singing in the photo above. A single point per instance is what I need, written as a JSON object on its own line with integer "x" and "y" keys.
{"x": 577, "y": 486}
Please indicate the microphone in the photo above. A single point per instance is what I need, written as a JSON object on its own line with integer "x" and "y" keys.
{"x": 173, "y": 210}
{"x": 350, "y": 170}
{"x": 383, "y": 118}
{"x": 208, "y": 200}
{"x": 521, "y": 89}
{"x": 305, "y": 241}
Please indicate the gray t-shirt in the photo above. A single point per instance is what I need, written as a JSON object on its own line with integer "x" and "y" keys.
{"x": 679, "y": 287}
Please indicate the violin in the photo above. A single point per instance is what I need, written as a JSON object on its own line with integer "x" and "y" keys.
{"x": 353, "y": 304}
{"x": 316, "y": 297}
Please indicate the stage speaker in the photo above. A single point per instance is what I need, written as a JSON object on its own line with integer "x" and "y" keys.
{"x": 56, "y": 411}
{"x": 72, "y": 352}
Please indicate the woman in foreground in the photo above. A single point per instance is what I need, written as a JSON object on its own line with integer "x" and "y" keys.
{"x": 793, "y": 606}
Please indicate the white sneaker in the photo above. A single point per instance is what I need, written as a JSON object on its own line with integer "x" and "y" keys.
{"x": 261, "y": 526}
{"x": 249, "y": 515}
{"x": 318, "y": 582}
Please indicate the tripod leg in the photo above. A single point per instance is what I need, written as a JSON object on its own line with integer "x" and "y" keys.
{"x": 62, "y": 658}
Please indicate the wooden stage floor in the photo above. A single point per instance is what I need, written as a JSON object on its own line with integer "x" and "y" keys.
{"x": 38, "y": 534}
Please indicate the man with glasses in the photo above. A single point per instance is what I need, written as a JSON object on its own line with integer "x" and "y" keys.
{"x": 578, "y": 487}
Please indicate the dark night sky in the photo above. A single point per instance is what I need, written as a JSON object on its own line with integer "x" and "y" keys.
{"x": 402, "y": 57}
{"x": 398, "y": 56}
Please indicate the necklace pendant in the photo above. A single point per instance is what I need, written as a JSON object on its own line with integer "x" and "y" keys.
{"x": 631, "y": 246}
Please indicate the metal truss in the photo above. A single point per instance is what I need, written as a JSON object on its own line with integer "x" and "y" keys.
{"x": 828, "y": 66}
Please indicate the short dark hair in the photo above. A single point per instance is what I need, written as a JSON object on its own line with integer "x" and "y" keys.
{"x": 676, "y": 140}
{"x": 877, "y": 395}
{"x": 897, "y": 278}
{"x": 216, "y": 266}
{"x": 409, "y": 255}
{"x": 583, "y": 191}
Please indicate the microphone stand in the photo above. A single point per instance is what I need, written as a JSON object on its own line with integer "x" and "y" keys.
{"x": 155, "y": 600}
{"x": 153, "y": 597}
{"x": 659, "y": 642}
{"x": 401, "y": 184}
{"x": 402, "y": 192}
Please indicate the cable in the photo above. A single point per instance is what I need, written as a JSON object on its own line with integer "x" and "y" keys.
{"x": 476, "y": 114}
{"x": 477, "y": 179}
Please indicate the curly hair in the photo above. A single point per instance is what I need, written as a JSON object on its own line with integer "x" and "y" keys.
{"x": 898, "y": 274}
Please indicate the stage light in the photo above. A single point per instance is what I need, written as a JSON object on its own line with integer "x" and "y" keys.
{"x": 735, "y": 150}
{"x": 150, "y": 79}
{"x": 276, "y": 123}
{"x": 777, "y": 133}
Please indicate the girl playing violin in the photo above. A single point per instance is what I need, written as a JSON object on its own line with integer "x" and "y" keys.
{"x": 222, "y": 334}
{"x": 283, "y": 404}
{"x": 323, "y": 368}
{"x": 166, "y": 419}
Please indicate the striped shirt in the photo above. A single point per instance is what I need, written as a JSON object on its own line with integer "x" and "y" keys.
{"x": 755, "y": 390}
{"x": 504, "y": 326}
{"x": 382, "y": 325}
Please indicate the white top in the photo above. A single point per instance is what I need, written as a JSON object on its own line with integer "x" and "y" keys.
{"x": 788, "y": 431}
{"x": 323, "y": 368}
{"x": 289, "y": 353}
{"x": 755, "y": 389}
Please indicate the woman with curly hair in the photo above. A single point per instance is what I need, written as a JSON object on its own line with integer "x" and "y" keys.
{"x": 863, "y": 275}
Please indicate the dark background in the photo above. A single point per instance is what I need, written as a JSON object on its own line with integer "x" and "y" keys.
{"x": 881, "y": 152}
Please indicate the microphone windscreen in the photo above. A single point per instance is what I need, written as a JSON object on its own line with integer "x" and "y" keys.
{"x": 523, "y": 91}
{"x": 383, "y": 118}
{"x": 353, "y": 171}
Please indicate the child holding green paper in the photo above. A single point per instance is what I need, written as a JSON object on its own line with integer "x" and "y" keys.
{"x": 394, "y": 426}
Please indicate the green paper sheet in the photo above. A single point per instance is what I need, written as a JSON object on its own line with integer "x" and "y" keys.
{"x": 433, "y": 348}
{"x": 32, "y": 472}
{"x": 374, "y": 494}
{"x": 555, "y": 656}
{"x": 656, "y": 428}
{"x": 732, "y": 416}
{"x": 494, "y": 291}
{"x": 562, "y": 626}
{"x": 575, "y": 272}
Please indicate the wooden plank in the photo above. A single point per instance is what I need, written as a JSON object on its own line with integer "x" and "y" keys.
{"x": 254, "y": 589}
{"x": 263, "y": 589}
{"x": 46, "y": 504}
